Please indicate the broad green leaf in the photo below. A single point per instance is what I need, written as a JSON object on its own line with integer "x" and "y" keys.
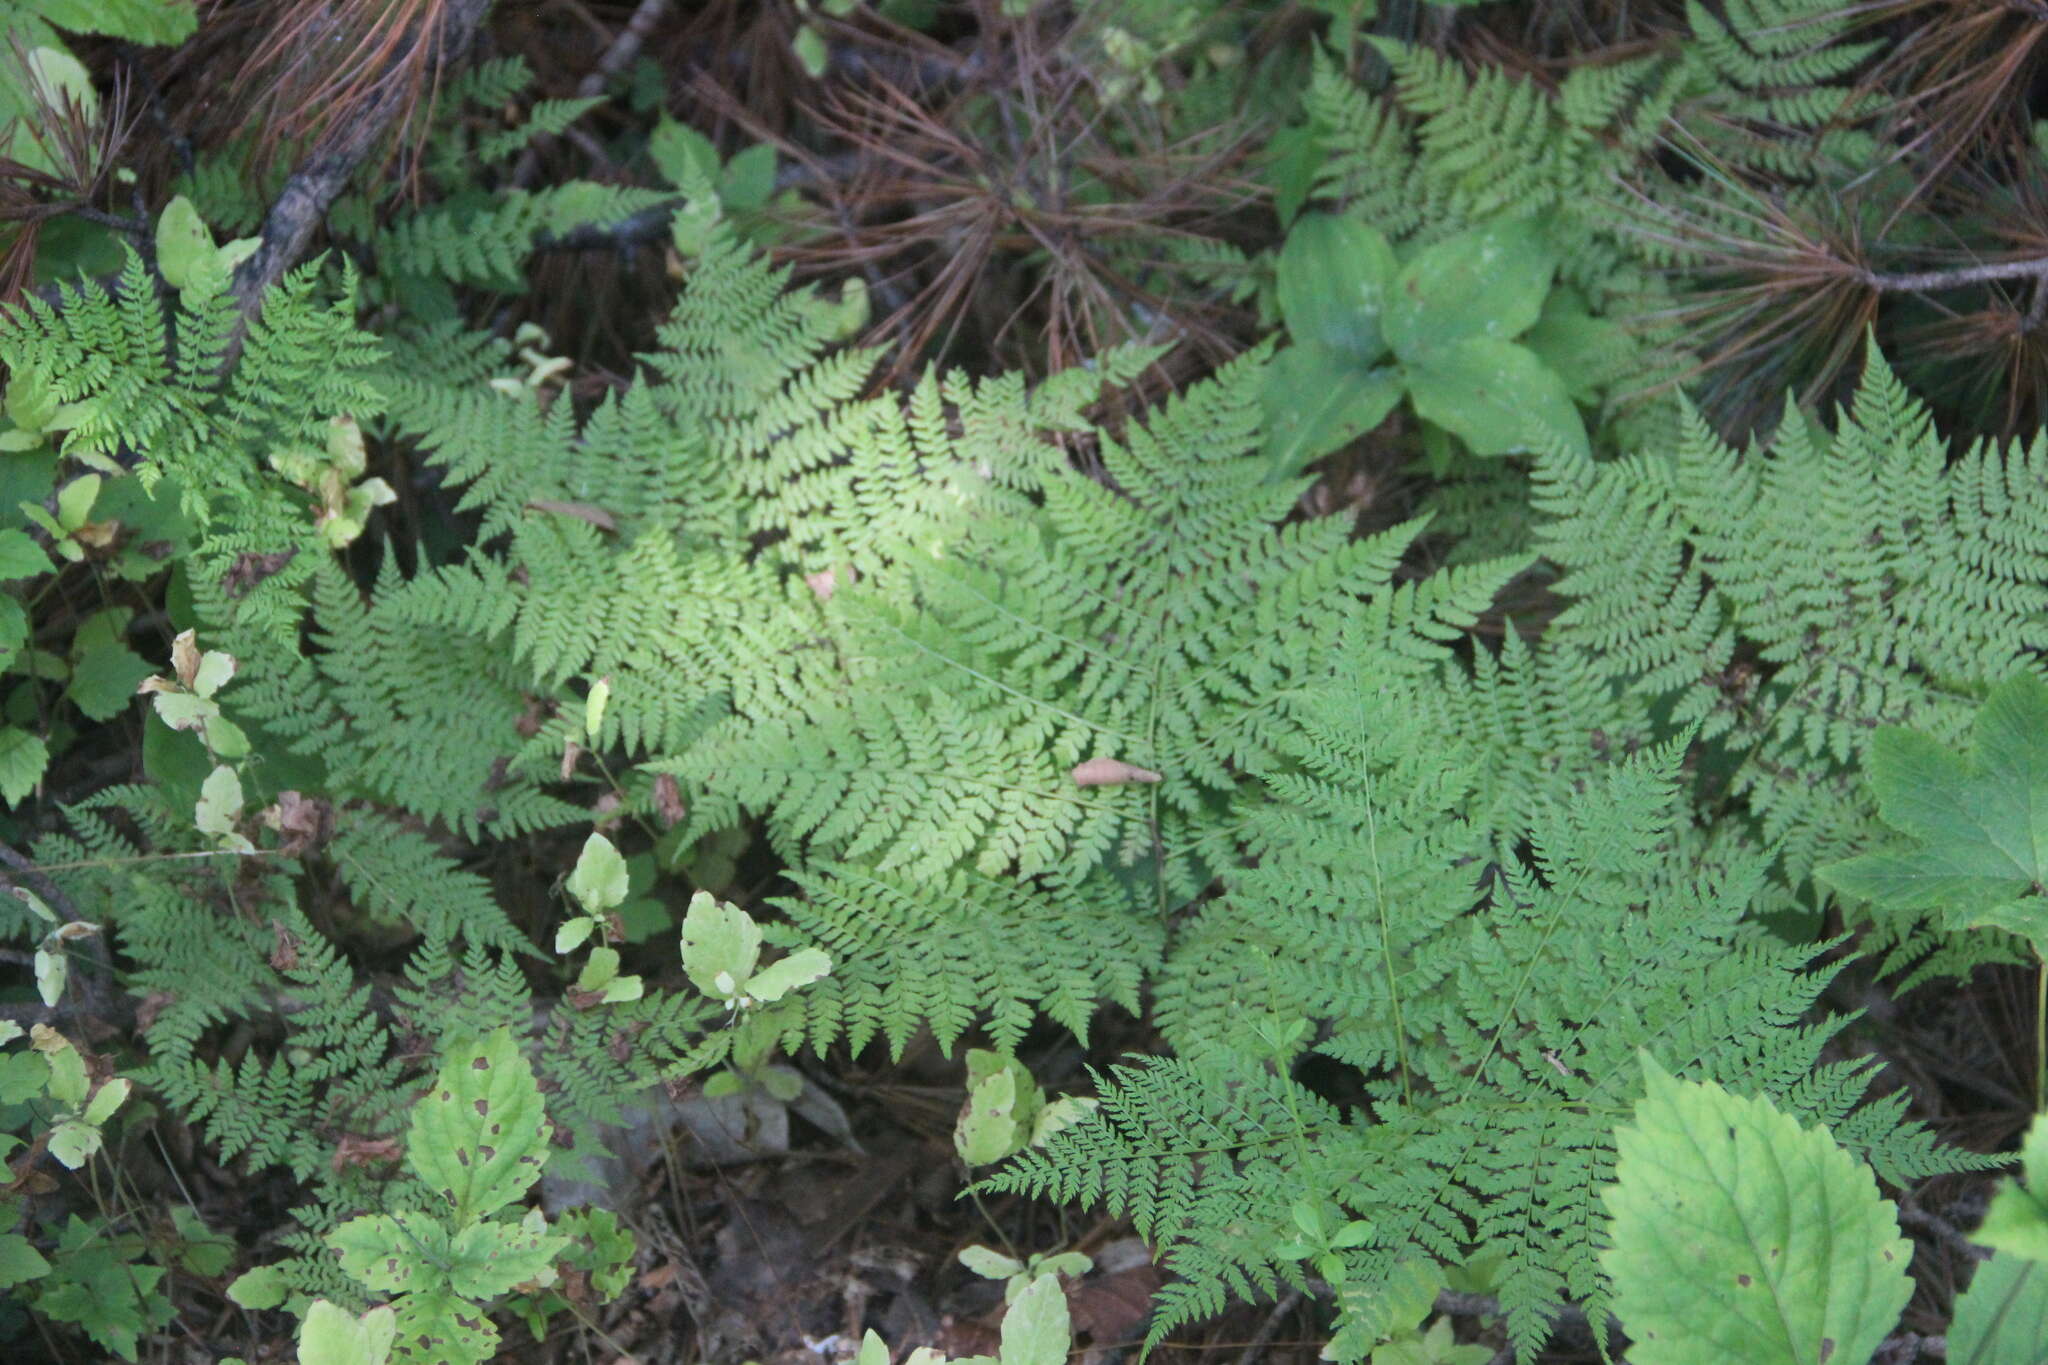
{"x": 749, "y": 178}
{"x": 987, "y": 1130}
{"x": 1334, "y": 274}
{"x": 480, "y": 1137}
{"x": 778, "y": 979}
{"x": 571, "y": 934}
{"x": 23, "y": 1076}
{"x": 13, "y": 628}
{"x": 184, "y": 245}
{"x": 1738, "y": 1235}
{"x": 22, "y": 759}
{"x": 1496, "y": 397}
{"x": 263, "y": 1287}
{"x": 105, "y": 672}
{"x": 1037, "y": 1329}
{"x": 220, "y": 801}
{"x": 2002, "y": 1318}
{"x": 75, "y": 500}
{"x": 1488, "y": 282}
{"x": 214, "y": 670}
{"x": 684, "y": 157}
{"x": 21, "y": 557}
{"x": 19, "y": 1261}
{"x": 2017, "y": 1221}
{"x": 329, "y": 1336}
{"x": 873, "y": 1350}
{"x": 599, "y": 881}
{"x": 1576, "y": 345}
{"x": 392, "y": 1253}
{"x": 73, "y": 1142}
{"x": 488, "y": 1259}
{"x": 598, "y": 969}
{"x": 68, "y": 1084}
{"x": 184, "y": 710}
{"x": 1316, "y": 400}
{"x": 721, "y": 944}
{"x": 51, "y": 971}
{"x": 1978, "y": 826}
{"x": 461, "y": 1331}
{"x": 107, "y": 1099}
{"x": 989, "y": 1263}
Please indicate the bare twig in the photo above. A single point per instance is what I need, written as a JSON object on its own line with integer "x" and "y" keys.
{"x": 1926, "y": 280}
{"x": 303, "y": 203}
{"x": 616, "y": 58}
{"x": 1255, "y": 1349}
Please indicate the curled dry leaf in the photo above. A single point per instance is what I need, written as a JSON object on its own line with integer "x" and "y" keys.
{"x": 306, "y": 822}
{"x": 668, "y": 800}
{"x": 825, "y": 582}
{"x": 1111, "y": 772}
{"x": 185, "y": 657}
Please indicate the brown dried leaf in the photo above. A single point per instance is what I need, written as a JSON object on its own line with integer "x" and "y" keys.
{"x": 284, "y": 952}
{"x": 668, "y": 800}
{"x": 306, "y": 822}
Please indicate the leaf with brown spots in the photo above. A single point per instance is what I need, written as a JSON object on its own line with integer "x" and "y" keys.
{"x": 480, "y": 1136}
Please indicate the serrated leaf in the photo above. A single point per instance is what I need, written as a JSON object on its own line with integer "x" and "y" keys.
{"x": 1489, "y": 282}
{"x": 21, "y": 557}
{"x": 778, "y": 979}
{"x": 456, "y": 1330}
{"x": 1978, "y": 825}
{"x": 1332, "y": 281}
{"x": 19, "y": 1261}
{"x": 23, "y": 757}
{"x": 23, "y": 1076}
{"x": 330, "y": 1336}
{"x": 488, "y": 1259}
{"x": 1037, "y": 1329}
{"x": 480, "y": 1137}
{"x": 599, "y": 880}
{"x": 392, "y": 1253}
{"x": 1740, "y": 1235}
{"x": 719, "y": 940}
{"x": 1496, "y": 397}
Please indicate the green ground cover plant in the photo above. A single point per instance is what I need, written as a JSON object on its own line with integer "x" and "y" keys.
{"x": 1451, "y": 894}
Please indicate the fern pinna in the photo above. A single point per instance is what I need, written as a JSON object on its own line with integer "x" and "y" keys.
{"x": 1485, "y": 999}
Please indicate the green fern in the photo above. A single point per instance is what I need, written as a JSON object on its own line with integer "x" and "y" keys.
{"x": 1489, "y": 1004}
